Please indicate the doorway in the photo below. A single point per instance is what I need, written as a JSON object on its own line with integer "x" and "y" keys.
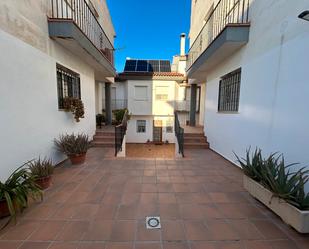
{"x": 157, "y": 131}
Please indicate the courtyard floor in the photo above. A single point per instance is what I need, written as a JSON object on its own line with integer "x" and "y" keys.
{"x": 103, "y": 203}
{"x": 150, "y": 150}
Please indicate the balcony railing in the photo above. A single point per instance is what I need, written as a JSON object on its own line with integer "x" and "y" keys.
{"x": 83, "y": 16}
{"x": 116, "y": 104}
{"x": 184, "y": 105}
{"x": 226, "y": 12}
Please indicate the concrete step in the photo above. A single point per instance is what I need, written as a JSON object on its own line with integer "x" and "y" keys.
{"x": 193, "y": 135}
{"x": 196, "y": 145}
{"x": 102, "y": 144}
{"x": 195, "y": 139}
{"x": 105, "y": 133}
{"x": 100, "y": 138}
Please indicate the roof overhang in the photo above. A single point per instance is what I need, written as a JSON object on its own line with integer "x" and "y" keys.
{"x": 69, "y": 35}
{"x": 151, "y": 76}
{"x": 231, "y": 39}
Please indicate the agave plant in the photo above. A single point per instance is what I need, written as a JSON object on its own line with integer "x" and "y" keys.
{"x": 73, "y": 144}
{"x": 252, "y": 165}
{"x": 41, "y": 167}
{"x": 16, "y": 190}
{"x": 277, "y": 177}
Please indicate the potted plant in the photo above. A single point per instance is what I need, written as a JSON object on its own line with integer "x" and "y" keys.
{"x": 16, "y": 190}
{"x": 74, "y": 105}
{"x": 42, "y": 170}
{"x": 74, "y": 146}
{"x": 100, "y": 118}
{"x": 279, "y": 188}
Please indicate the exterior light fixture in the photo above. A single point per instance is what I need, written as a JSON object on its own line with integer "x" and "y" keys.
{"x": 304, "y": 15}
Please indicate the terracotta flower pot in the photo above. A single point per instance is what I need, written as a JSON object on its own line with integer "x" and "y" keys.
{"x": 44, "y": 182}
{"x": 4, "y": 209}
{"x": 78, "y": 159}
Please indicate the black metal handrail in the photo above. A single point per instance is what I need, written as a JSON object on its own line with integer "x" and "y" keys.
{"x": 225, "y": 13}
{"x": 179, "y": 132}
{"x": 120, "y": 132}
{"x": 83, "y": 16}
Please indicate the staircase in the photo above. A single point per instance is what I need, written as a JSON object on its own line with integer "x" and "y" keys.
{"x": 104, "y": 138}
{"x": 195, "y": 141}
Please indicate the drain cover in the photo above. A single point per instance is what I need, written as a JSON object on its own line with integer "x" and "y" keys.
{"x": 153, "y": 222}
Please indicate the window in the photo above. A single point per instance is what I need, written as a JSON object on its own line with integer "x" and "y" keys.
{"x": 68, "y": 83}
{"x": 169, "y": 126}
{"x": 140, "y": 93}
{"x": 229, "y": 90}
{"x": 141, "y": 126}
{"x": 162, "y": 93}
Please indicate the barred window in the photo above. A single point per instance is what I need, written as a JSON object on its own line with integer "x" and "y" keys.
{"x": 68, "y": 83}
{"x": 141, "y": 126}
{"x": 229, "y": 90}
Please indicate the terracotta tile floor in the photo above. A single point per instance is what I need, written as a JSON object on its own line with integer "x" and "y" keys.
{"x": 103, "y": 204}
{"x": 150, "y": 151}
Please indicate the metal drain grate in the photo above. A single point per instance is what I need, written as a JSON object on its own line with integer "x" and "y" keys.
{"x": 153, "y": 222}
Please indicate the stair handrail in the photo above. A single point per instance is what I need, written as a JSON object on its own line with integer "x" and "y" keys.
{"x": 120, "y": 132}
{"x": 179, "y": 133}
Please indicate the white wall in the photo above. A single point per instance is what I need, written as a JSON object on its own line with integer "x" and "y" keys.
{"x": 30, "y": 119}
{"x": 135, "y": 137}
{"x": 274, "y": 86}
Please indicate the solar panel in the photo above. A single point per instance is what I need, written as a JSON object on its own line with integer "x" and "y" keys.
{"x": 165, "y": 66}
{"x": 154, "y": 66}
{"x": 142, "y": 66}
{"x": 130, "y": 66}
{"x": 147, "y": 66}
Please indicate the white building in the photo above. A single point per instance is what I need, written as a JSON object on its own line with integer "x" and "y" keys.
{"x": 49, "y": 51}
{"x": 250, "y": 58}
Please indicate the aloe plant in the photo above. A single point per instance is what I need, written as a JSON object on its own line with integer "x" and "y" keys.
{"x": 16, "y": 190}
{"x": 41, "y": 167}
{"x": 277, "y": 177}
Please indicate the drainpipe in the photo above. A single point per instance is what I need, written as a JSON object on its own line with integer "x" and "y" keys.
{"x": 193, "y": 104}
{"x": 108, "y": 103}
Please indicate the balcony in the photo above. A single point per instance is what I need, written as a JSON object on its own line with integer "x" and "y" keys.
{"x": 184, "y": 105}
{"x": 73, "y": 24}
{"x": 225, "y": 31}
{"x": 116, "y": 104}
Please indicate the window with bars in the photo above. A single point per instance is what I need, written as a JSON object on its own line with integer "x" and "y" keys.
{"x": 68, "y": 83}
{"x": 229, "y": 91}
{"x": 140, "y": 126}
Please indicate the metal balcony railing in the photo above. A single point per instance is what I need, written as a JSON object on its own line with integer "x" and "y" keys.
{"x": 80, "y": 12}
{"x": 184, "y": 105}
{"x": 116, "y": 104}
{"x": 226, "y": 12}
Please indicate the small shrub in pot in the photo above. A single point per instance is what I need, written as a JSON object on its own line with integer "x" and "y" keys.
{"x": 42, "y": 170}
{"x": 16, "y": 190}
{"x": 74, "y": 146}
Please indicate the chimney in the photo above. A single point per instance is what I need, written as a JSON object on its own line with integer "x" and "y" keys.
{"x": 182, "y": 44}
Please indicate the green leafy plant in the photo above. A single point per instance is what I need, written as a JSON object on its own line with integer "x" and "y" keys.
{"x": 73, "y": 144}
{"x": 252, "y": 165}
{"x": 119, "y": 114}
{"x": 41, "y": 168}
{"x": 16, "y": 190}
{"x": 277, "y": 177}
{"x": 76, "y": 106}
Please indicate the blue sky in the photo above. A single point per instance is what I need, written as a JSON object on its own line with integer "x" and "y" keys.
{"x": 148, "y": 29}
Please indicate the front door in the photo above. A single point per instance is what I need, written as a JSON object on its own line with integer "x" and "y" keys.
{"x": 157, "y": 131}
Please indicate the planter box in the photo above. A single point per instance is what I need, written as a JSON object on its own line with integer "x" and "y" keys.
{"x": 296, "y": 218}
